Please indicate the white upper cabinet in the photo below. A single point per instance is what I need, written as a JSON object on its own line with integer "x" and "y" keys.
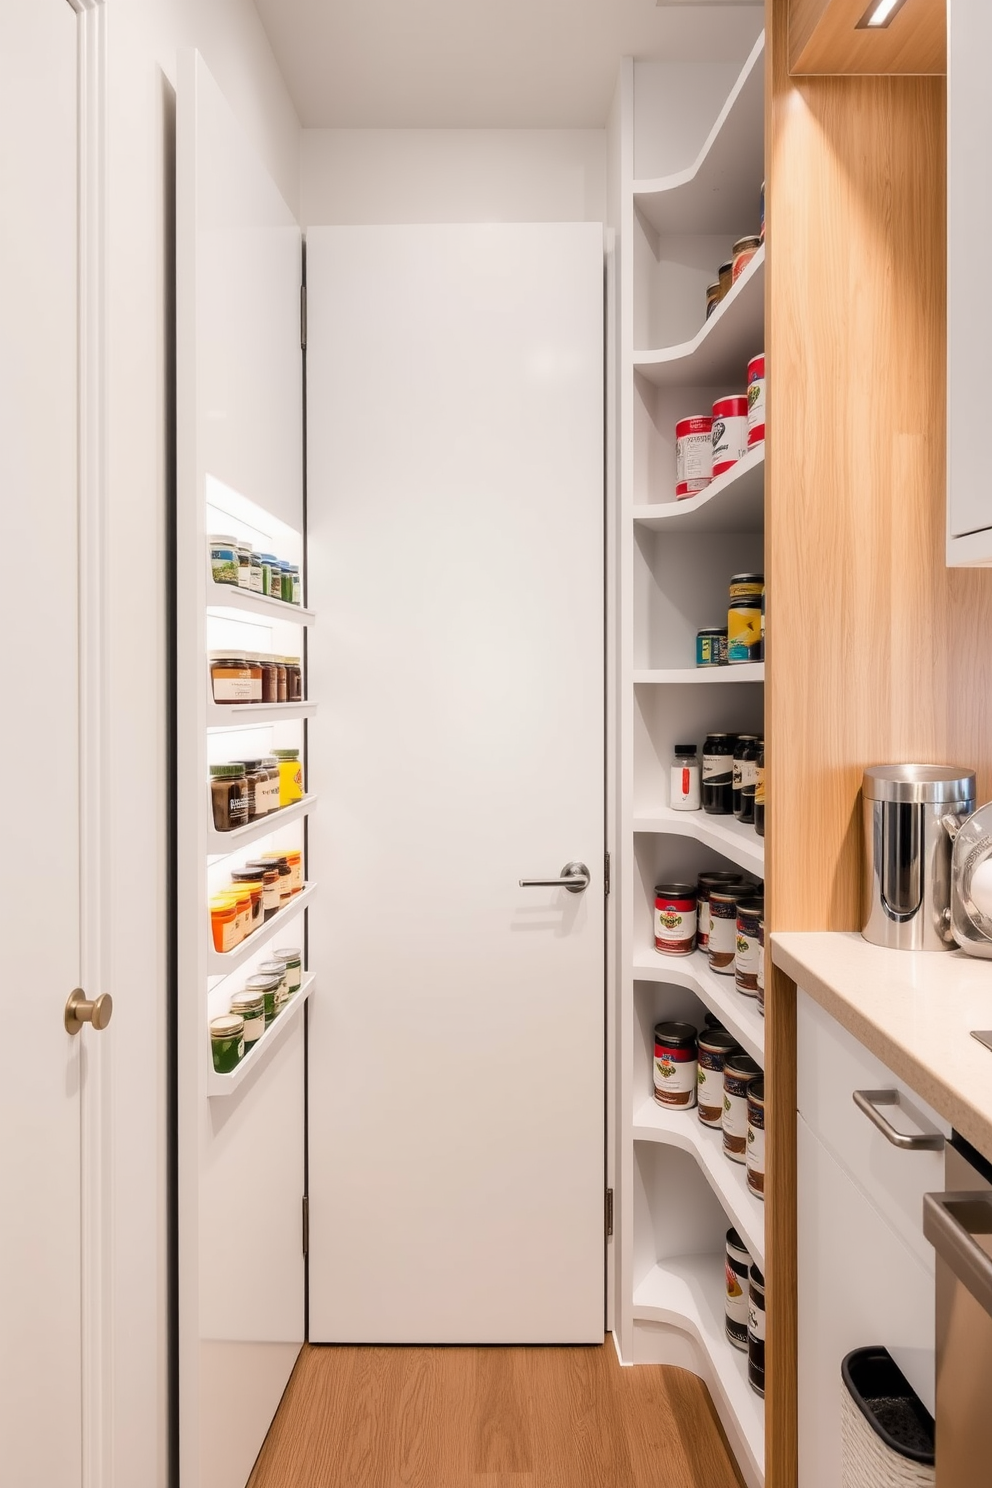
{"x": 969, "y": 310}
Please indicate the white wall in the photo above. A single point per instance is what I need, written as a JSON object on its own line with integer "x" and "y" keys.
{"x": 143, "y": 38}
{"x": 366, "y": 176}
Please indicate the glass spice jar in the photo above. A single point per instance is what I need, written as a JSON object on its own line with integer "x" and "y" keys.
{"x": 224, "y": 560}
{"x": 294, "y": 679}
{"x": 282, "y": 695}
{"x": 277, "y": 967}
{"x": 295, "y": 860}
{"x": 270, "y": 887}
{"x": 230, "y": 678}
{"x": 227, "y": 1042}
{"x": 250, "y": 1006}
{"x": 294, "y": 968}
{"x": 229, "y": 797}
{"x": 248, "y": 882}
{"x": 255, "y": 573}
{"x": 270, "y": 680}
{"x": 260, "y": 797}
{"x": 244, "y": 566}
{"x": 224, "y": 923}
{"x": 290, "y": 776}
{"x": 268, "y": 986}
{"x": 280, "y": 863}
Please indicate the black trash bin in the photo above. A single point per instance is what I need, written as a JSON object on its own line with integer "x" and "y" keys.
{"x": 886, "y": 1430}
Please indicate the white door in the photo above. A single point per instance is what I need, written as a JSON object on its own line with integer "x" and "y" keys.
{"x": 41, "y": 1067}
{"x": 455, "y": 520}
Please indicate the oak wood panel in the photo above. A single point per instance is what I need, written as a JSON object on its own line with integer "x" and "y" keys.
{"x": 491, "y": 1418}
{"x": 824, "y": 38}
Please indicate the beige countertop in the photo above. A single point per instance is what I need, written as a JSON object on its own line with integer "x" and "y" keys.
{"x": 913, "y": 1009}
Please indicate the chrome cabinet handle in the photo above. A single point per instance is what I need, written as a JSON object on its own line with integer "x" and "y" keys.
{"x": 868, "y": 1101}
{"x": 574, "y": 877}
{"x": 950, "y": 1222}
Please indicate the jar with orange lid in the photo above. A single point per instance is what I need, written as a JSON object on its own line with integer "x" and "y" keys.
{"x": 242, "y": 900}
{"x": 295, "y": 861}
{"x": 224, "y": 923}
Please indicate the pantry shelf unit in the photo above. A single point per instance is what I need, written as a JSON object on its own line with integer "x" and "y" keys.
{"x": 263, "y": 1047}
{"x": 738, "y": 1014}
{"x": 734, "y": 502}
{"x": 728, "y": 1180}
{"x": 688, "y": 1292}
{"x": 722, "y": 347}
{"x": 222, "y": 963}
{"x": 227, "y": 601}
{"x": 256, "y": 715}
{"x": 223, "y": 844}
{"x": 746, "y": 671}
{"x": 725, "y": 834}
{"x": 716, "y": 193}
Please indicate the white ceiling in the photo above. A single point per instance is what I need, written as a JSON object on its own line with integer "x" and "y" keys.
{"x": 500, "y": 64}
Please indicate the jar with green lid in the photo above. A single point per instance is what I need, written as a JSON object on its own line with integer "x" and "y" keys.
{"x": 268, "y": 986}
{"x": 277, "y": 967}
{"x": 294, "y": 968}
{"x": 227, "y": 1042}
{"x": 229, "y": 797}
{"x": 250, "y": 1006}
{"x": 290, "y": 776}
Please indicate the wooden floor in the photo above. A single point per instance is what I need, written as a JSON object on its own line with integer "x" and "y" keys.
{"x": 491, "y": 1418}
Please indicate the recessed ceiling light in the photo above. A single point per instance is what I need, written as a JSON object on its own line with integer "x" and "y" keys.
{"x": 880, "y": 13}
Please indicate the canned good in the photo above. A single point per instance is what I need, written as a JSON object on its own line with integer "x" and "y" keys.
{"x": 718, "y": 774}
{"x": 748, "y": 781}
{"x": 675, "y": 919}
{"x": 761, "y": 966}
{"x": 716, "y": 879}
{"x": 722, "y": 946}
{"x": 675, "y": 1061}
{"x": 749, "y": 912}
{"x": 744, "y": 251}
{"x": 738, "y": 1266}
{"x": 713, "y": 298}
{"x": 756, "y": 401}
{"x": 756, "y": 1138}
{"x": 744, "y": 618}
{"x": 714, "y": 1046}
{"x": 711, "y": 646}
{"x": 738, "y": 1072}
{"x": 756, "y": 1332}
{"x": 693, "y": 455}
{"x": 729, "y": 432}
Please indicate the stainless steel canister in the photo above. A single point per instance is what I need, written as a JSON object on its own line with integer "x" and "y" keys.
{"x": 907, "y": 885}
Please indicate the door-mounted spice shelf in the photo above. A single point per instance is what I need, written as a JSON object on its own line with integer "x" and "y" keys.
{"x": 222, "y": 963}
{"x": 226, "y": 600}
{"x": 744, "y": 671}
{"x": 735, "y": 840}
{"x": 728, "y": 1180}
{"x": 738, "y": 1014}
{"x": 256, "y": 715}
{"x": 222, "y": 844}
{"x": 734, "y": 502}
{"x": 688, "y": 1292}
{"x": 723, "y": 345}
{"x": 263, "y": 1047}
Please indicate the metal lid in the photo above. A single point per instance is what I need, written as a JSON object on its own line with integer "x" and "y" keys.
{"x": 743, "y": 1066}
{"x": 288, "y": 956}
{"x": 248, "y": 1001}
{"x": 262, "y": 983}
{"x": 718, "y": 1039}
{"x": 677, "y": 1034}
{"x": 229, "y": 1025}
{"x": 919, "y": 783}
{"x": 755, "y": 1092}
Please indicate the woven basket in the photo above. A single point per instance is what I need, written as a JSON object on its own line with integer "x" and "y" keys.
{"x": 869, "y": 1461}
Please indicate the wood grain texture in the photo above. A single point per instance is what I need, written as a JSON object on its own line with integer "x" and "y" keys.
{"x": 491, "y": 1418}
{"x": 872, "y": 642}
{"x": 824, "y": 38}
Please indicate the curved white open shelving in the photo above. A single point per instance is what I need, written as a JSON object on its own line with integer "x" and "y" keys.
{"x": 734, "y": 502}
{"x": 748, "y": 671}
{"x": 688, "y": 1292}
{"x": 728, "y": 1180}
{"x": 719, "y": 192}
{"x": 723, "y": 345}
{"x": 738, "y": 1014}
{"x": 262, "y": 1048}
{"x": 256, "y": 715}
{"x": 725, "y": 834}
{"x": 222, "y": 844}
{"x": 222, "y": 963}
{"x": 225, "y": 599}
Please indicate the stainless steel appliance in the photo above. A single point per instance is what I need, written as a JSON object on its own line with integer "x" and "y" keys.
{"x": 908, "y": 810}
{"x": 971, "y": 885}
{"x": 959, "y": 1226}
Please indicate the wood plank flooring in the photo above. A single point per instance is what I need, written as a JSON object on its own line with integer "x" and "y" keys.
{"x": 491, "y": 1418}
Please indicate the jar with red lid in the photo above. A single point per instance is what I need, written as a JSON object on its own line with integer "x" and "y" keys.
{"x": 675, "y": 1064}
{"x": 675, "y": 919}
{"x": 729, "y": 432}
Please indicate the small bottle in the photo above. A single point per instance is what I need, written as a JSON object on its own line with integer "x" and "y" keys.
{"x": 685, "y": 794}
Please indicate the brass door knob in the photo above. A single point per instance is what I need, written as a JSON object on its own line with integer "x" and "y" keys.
{"x": 80, "y": 1009}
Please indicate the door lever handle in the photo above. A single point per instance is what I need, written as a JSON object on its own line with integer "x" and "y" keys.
{"x": 574, "y": 877}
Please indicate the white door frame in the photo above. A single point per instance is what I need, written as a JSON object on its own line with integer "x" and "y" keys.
{"x": 96, "y": 1126}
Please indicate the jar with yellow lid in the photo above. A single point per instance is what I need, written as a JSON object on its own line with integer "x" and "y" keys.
{"x": 224, "y": 924}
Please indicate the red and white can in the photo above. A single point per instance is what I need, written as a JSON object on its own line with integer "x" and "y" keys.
{"x": 729, "y": 432}
{"x": 693, "y": 456}
{"x": 755, "y": 400}
{"x": 675, "y": 919}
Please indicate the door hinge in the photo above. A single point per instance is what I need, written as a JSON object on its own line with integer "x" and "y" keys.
{"x": 606, "y": 874}
{"x": 306, "y": 1225}
{"x": 303, "y": 317}
{"x": 609, "y": 1212}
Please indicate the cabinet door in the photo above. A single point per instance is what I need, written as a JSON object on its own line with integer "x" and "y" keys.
{"x": 969, "y": 318}
{"x": 859, "y": 1284}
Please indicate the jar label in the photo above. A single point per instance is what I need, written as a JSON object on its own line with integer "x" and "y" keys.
{"x": 256, "y": 581}
{"x": 230, "y": 934}
{"x": 674, "y": 929}
{"x": 756, "y": 1158}
{"x": 756, "y": 410}
{"x": 709, "y": 1092}
{"x": 729, "y": 442}
{"x": 760, "y": 975}
{"x": 755, "y": 1321}
{"x": 233, "y": 689}
{"x": 718, "y": 769}
{"x": 743, "y": 633}
{"x": 674, "y": 1076}
{"x": 746, "y": 961}
{"x": 685, "y": 788}
{"x": 734, "y": 1125}
{"x": 759, "y": 785}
